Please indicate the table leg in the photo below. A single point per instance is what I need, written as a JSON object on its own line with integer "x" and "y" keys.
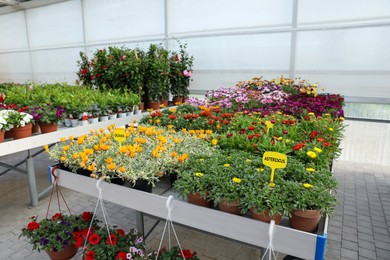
{"x": 139, "y": 219}
{"x": 31, "y": 180}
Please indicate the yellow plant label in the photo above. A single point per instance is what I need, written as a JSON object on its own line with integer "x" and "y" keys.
{"x": 274, "y": 160}
{"x": 119, "y": 135}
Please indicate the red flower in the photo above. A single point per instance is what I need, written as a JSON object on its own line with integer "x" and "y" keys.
{"x": 120, "y": 232}
{"x": 251, "y": 128}
{"x": 186, "y": 253}
{"x": 121, "y": 255}
{"x": 210, "y": 121}
{"x": 94, "y": 239}
{"x": 111, "y": 240}
{"x": 83, "y": 71}
{"x": 172, "y": 117}
{"x": 86, "y": 216}
{"x": 298, "y": 146}
{"x": 90, "y": 255}
{"x": 79, "y": 242}
{"x": 250, "y": 137}
{"x": 285, "y": 132}
{"x": 32, "y": 226}
{"x": 273, "y": 121}
{"x": 257, "y": 135}
{"x": 319, "y": 139}
{"x": 229, "y": 135}
{"x": 56, "y": 216}
{"x": 313, "y": 135}
{"x": 13, "y": 106}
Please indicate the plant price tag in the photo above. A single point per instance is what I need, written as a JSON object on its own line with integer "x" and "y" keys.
{"x": 274, "y": 160}
{"x": 119, "y": 135}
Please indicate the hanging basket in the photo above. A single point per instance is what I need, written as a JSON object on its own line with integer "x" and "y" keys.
{"x": 67, "y": 253}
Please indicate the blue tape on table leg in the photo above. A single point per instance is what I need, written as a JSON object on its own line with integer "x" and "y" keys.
{"x": 320, "y": 247}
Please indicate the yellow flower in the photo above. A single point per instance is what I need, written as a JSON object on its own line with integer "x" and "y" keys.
{"x": 150, "y": 121}
{"x": 63, "y": 139}
{"x": 66, "y": 148}
{"x": 150, "y": 110}
{"x": 318, "y": 150}
{"x": 260, "y": 169}
{"x": 310, "y": 169}
{"x": 71, "y": 137}
{"x": 123, "y": 149}
{"x": 182, "y": 157}
{"x": 75, "y": 156}
{"x": 311, "y": 154}
{"x": 201, "y": 136}
{"x": 341, "y": 118}
{"x": 209, "y": 132}
{"x": 279, "y": 113}
{"x": 158, "y": 121}
{"x": 170, "y": 126}
{"x": 327, "y": 114}
{"x": 109, "y": 160}
{"x": 46, "y": 147}
{"x": 236, "y": 180}
{"x": 91, "y": 167}
{"x": 173, "y": 110}
{"x": 287, "y": 141}
{"x": 184, "y": 130}
{"x": 199, "y": 174}
{"x": 63, "y": 158}
{"x": 122, "y": 169}
{"x": 218, "y": 126}
{"x": 311, "y": 114}
{"x": 331, "y": 129}
{"x": 101, "y": 130}
{"x": 111, "y": 166}
{"x": 201, "y": 159}
{"x": 226, "y": 165}
{"x": 248, "y": 160}
{"x": 192, "y": 132}
{"x": 214, "y": 142}
{"x": 162, "y": 105}
{"x": 173, "y": 154}
{"x": 280, "y": 138}
{"x": 307, "y": 185}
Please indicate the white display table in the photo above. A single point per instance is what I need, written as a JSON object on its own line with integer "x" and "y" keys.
{"x": 286, "y": 240}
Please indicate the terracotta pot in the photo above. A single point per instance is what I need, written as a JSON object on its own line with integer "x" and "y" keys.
{"x": 35, "y": 128}
{"x": 8, "y": 134}
{"x": 153, "y": 105}
{"x": 265, "y": 217}
{"x": 197, "y": 199}
{"x": 65, "y": 254}
{"x": 305, "y": 220}
{"x": 232, "y": 207}
{"x": 164, "y": 101}
{"x": 48, "y": 127}
{"x": 2, "y": 133}
{"x": 22, "y": 132}
{"x": 176, "y": 100}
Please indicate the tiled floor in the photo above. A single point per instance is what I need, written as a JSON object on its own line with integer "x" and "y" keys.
{"x": 359, "y": 229}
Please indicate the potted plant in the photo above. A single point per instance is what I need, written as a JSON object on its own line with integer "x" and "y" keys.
{"x": 156, "y": 75}
{"x": 175, "y": 254}
{"x": 4, "y": 124}
{"x": 48, "y": 117}
{"x": 180, "y": 74}
{"x": 113, "y": 243}
{"x": 57, "y": 235}
{"x": 21, "y": 122}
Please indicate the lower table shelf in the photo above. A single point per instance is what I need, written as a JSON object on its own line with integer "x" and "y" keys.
{"x": 286, "y": 240}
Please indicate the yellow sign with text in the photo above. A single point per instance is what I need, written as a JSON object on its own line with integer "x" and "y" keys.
{"x": 119, "y": 135}
{"x": 274, "y": 160}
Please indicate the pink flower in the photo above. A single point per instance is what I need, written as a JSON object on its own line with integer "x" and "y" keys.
{"x": 187, "y": 73}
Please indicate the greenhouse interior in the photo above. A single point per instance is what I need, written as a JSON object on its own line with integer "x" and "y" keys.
{"x": 177, "y": 129}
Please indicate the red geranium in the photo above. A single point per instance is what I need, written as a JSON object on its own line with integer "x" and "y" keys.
{"x": 121, "y": 255}
{"x": 32, "y": 226}
{"x": 186, "y": 253}
{"x": 121, "y": 232}
{"x": 94, "y": 239}
{"x": 111, "y": 240}
{"x": 86, "y": 216}
{"x": 56, "y": 216}
{"x": 90, "y": 255}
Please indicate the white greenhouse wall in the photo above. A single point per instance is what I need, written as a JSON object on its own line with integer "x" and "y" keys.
{"x": 341, "y": 44}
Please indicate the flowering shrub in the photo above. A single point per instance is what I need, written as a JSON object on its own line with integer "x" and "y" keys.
{"x": 56, "y": 233}
{"x": 48, "y": 113}
{"x": 4, "y": 123}
{"x": 18, "y": 119}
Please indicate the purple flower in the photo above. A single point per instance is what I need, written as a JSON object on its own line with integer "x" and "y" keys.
{"x": 44, "y": 241}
